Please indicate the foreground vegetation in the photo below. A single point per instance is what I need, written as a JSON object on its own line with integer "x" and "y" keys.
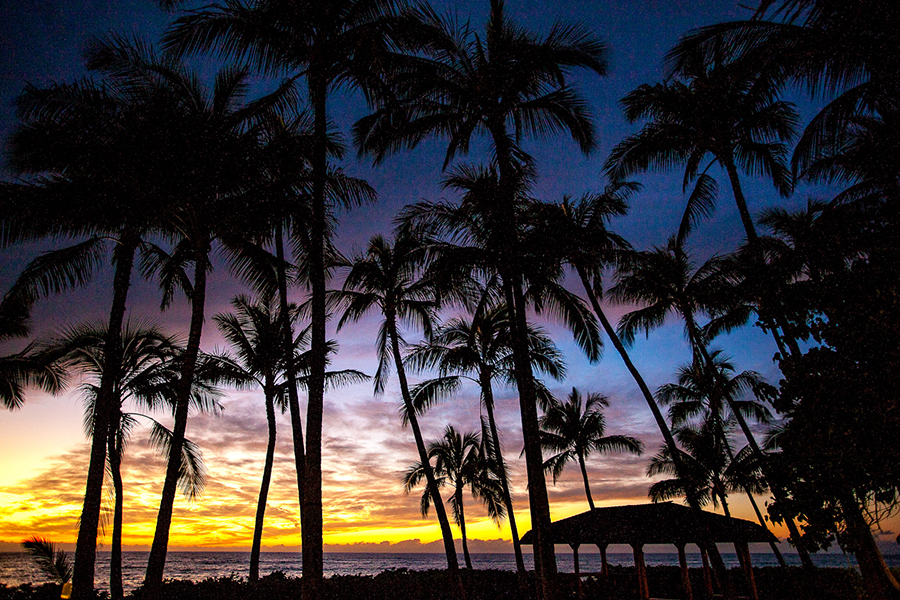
{"x": 773, "y": 583}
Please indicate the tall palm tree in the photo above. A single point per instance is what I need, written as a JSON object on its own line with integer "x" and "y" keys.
{"x": 480, "y": 349}
{"x": 387, "y": 277}
{"x": 211, "y": 144}
{"x": 461, "y": 460}
{"x": 506, "y": 84}
{"x": 147, "y": 368}
{"x": 574, "y": 429}
{"x": 104, "y": 143}
{"x": 254, "y": 332}
{"x": 715, "y": 111}
{"x": 342, "y": 42}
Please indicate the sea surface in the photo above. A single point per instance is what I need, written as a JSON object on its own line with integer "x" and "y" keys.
{"x": 18, "y": 568}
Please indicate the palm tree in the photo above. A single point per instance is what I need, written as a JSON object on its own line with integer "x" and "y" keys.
{"x": 461, "y": 460}
{"x": 105, "y": 144}
{"x": 706, "y": 460}
{"x": 145, "y": 373}
{"x": 479, "y": 349}
{"x": 330, "y": 44}
{"x": 574, "y": 429}
{"x": 667, "y": 283}
{"x": 210, "y": 144}
{"x": 387, "y": 277}
{"x": 254, "y": 331}
{"x": 506, "y": 85}
{"x": 715, "y": 110}
{"x": 702, "y": 400}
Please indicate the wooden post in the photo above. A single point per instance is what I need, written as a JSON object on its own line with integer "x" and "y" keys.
{"x": 643, "y": 587}
{"x": 707, "y": 576}
{"x": 685, "y": 574}
{"x": 577, "y": 568}
{"x": 604, "y": 566}
{"x": 743, "y": 551}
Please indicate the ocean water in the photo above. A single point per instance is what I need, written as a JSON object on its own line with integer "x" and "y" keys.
{"x": 18, "y": 568}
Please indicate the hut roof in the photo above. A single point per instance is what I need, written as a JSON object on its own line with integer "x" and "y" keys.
{"x": 662, "y": 523}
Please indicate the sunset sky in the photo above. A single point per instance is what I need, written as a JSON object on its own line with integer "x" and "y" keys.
{"x": 43, "y": 451}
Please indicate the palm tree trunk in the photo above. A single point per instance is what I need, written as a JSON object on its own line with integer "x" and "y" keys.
{"x": 156, "y": 563}
{"x": 877, "y": 577}
{"x": 446, "y": 532}
{"x": 462, "y": 524}
{"x": 544, "y": 552}
{"x": 587, "y": 487}
{"x": 788, "y": 335}
{"x": 488, "y": 392}
{"x": 290, "y": 374}
{"x": 86, "y": 546}
{"x": 759, "y": 516}
{"x": 311, "y": 509}
{"x": 264, "y": 487}
{"x": 777, "y": 491}
{"x": 116, "y": 591}
{"x": 706, "y": 538}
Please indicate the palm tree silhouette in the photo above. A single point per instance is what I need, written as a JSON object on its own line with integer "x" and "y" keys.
{"x": 706, "y": 461}
{"x": 146, "y": 375}
{"x": 341, "y": 42}
{"x": 715, "y": 110}
{"x": 461, "y": 460}
{"x": 108, "y": 143}
{"x": 386, "y": 277}
{"x": 211, "y": 143}
{"x": 479, "y": 349}
{"x": 506, "y": 84}
{"x": 667, "y": 283}
{"x": 727, "y": 113}
{"x": 254, "y": 332}
{"x": 574, "y": 429}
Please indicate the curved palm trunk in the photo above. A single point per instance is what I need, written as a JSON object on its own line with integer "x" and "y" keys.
{"x": 156, "y": 563}
{"x": 86, "y": 546}
{"x": 587, "y": 487}
{"x": 264, "y": 487}
{"x": 877, "y": 577}
{"x": 290, "y": 374}
{"x": 788, "y": 335}
{"x": 116, "y": 591}
{"x": 718, "y": 564}
{"x": 446, "y": 533}
{"x": 462, "y": 524}
{"x": 311, "y": 508}
{"x": 488, "y": 392}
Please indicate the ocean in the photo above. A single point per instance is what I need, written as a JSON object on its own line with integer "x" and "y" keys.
{"x": 18, "y": 568}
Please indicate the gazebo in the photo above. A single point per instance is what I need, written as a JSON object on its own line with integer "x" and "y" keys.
{"x": 662, "y": 523}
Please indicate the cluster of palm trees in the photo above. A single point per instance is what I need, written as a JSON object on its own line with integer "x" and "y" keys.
{"x": 151, "y": 169}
